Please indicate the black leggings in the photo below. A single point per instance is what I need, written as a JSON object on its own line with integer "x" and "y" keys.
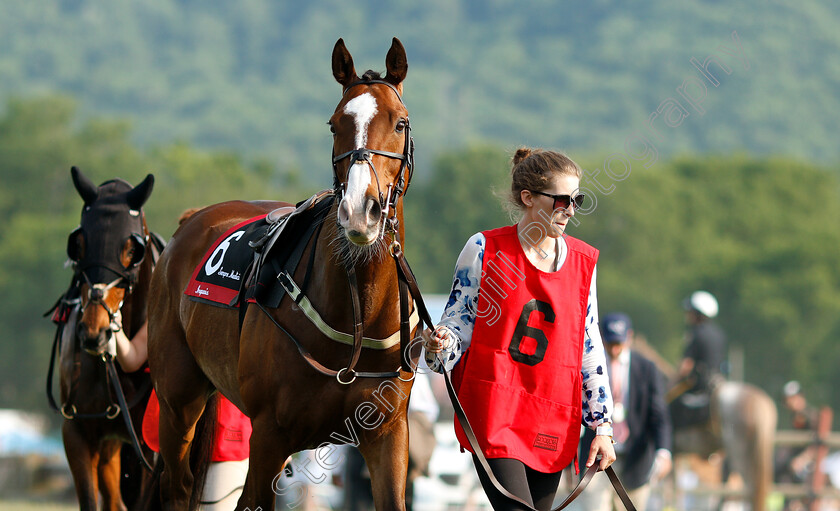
{"x": 535, "y": 488}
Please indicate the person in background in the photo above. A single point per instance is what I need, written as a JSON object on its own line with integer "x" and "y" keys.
{"x": 793, "y": 464}
{"x": 641, "y": 424}
{"x": 520, "y": 335}
{"x": 703, "y": 362}
{"x": 704, "y": 357}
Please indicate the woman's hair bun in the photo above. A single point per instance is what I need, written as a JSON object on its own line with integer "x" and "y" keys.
{"x": 521, "y": 154}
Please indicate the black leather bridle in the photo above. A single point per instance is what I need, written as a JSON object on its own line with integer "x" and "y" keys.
{"x": 126, "y": 278}
{"x": 364, "y": 154}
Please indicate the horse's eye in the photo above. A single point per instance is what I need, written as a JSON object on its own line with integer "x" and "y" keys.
{"x": 401, "y": 125}
{"x": 332, "y": 128}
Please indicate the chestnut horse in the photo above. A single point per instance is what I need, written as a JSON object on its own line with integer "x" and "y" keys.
{"x": 741, "y": 423}
{"x": 743, "y": 426}
{"x": 112, "y": 258}
{"x": 277, "y": 366}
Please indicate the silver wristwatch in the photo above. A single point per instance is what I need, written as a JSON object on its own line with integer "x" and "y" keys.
{"x": 605, "y": 429}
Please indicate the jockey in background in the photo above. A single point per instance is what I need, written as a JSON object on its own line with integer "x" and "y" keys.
{"x": 703, "y": 363}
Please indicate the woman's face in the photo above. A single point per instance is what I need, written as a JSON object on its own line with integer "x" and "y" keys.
{"x": 541, "y": 208}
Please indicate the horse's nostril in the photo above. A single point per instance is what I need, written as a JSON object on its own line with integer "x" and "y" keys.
{"x": 343, "y": 212}
{"x": 374, "y": 209}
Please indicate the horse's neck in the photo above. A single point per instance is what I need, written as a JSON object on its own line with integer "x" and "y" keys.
{"x": 376, "y": 285}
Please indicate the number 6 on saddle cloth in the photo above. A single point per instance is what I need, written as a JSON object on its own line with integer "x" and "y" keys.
{"x": 242, "y": 266}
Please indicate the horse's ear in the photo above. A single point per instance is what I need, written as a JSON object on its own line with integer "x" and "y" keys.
{"x": 342, "y": 65}
{"x": 140, "y": 193}
{"x": 84, "y": 186}
{"x": 396, "y": 63}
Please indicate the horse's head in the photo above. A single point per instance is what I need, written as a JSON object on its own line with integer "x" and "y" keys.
{"x": 372, "y": 145}
{"x": 107, "y": 250}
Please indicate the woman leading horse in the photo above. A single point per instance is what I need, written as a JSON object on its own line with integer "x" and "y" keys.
{"x": 288, "y": 373}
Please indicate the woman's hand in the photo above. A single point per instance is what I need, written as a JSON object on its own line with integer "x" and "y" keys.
{"x": 441, "y": 339}
{"x": 116, "y": 334}
{"x": 602, "y": 444}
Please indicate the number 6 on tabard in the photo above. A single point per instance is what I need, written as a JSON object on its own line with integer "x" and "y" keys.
{"x": 523, "y": 330}
{"x": 212, "y": 267}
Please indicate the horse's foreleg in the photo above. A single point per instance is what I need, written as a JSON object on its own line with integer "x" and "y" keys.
{"x": 178, "y": 418}
{"x": 182, "y": 391}
{"x": 177, "y": 429}
{"x": 265, "y": 466}
{"x": 109, "y": 475}
{"x": 82, "y": 460}
{"x": 387, "y": 460}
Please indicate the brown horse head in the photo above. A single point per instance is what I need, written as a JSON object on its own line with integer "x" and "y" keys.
{"x": 372, "y": 146}
{"x": 107, "y": 250}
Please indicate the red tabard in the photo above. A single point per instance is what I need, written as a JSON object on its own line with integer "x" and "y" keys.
{"x": 233, "y": 430}
{"x": 519, "y": 382}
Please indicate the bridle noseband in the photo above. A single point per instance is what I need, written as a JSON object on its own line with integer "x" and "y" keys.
{"x": 364, "y": 155}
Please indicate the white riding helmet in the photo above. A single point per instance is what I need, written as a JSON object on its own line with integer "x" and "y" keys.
{"x": 702, "y": 302}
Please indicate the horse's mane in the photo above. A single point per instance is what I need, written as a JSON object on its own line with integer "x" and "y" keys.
{"x": 186, "y": 215}
{"x": 370, "y": 74}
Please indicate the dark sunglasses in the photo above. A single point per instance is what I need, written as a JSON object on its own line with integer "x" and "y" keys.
{"x": 564, "y": 201}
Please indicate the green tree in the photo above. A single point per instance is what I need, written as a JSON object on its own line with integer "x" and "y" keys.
{"x": 761, "y": 234}
{"x": 464, "y": 194}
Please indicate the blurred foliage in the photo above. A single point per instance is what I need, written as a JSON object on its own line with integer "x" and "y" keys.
{"x": 39, "y": 141}
{"x": 254, "y": 75}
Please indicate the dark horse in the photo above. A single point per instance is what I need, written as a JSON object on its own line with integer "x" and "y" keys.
{"x": 292, "y": 393}
{"x": 112, "y": 256}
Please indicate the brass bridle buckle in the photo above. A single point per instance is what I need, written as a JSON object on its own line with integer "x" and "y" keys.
{"x": 394, "y": 247}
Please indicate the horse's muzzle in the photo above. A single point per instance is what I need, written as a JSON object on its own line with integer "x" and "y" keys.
{"x": 361, "y": 225}
{"x": 94, "y": 345}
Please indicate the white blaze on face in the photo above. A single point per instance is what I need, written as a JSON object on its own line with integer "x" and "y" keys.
{"x": 363, "y": 109}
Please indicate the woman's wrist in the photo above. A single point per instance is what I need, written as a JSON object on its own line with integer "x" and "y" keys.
{"x": 604, "y": 429}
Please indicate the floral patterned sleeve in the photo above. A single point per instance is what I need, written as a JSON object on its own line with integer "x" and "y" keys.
{"x": 460, "y": 311}
{"x": 597, "y": 399}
